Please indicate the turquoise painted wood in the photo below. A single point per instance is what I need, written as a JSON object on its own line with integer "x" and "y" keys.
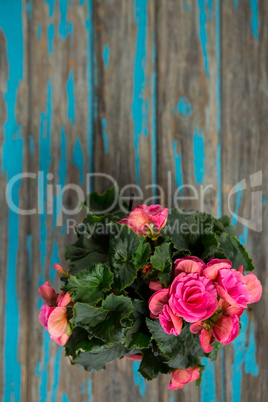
{"x": 149, "y": 92}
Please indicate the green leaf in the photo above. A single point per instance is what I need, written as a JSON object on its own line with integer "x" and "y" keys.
{"x": 183, "y": 350}
{"x": 138, "y": 334}
{"x": 89, "y": 285}
{"x": 106, "y": 322}
{"x": 97, "y": 361}
{"x": 79, "y": 342}
{"x": 106, "y": 203}
{"x": 162, "y": 261}
{"x": 127, "y": 250}
{"x": 216, "y": 347}
{"x": 231, "y": 249}
{"x": 191, "y": 232}
{"x": 141, "y": 255}
{"x": 199, "y": 380}
{"x": 152, "y": 364}
{"x": 223, "y": 224}
{"x": 90, "y": 248}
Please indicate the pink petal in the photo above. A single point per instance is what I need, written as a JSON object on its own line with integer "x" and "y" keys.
{"x": 157, "y": 301}
{"x": 63, "y": 299}
{"x": 254, "y": 287}
{"x": 229, "y": 309}
{"x": 188, "y": 265}
{"x": 205, "y": 340}
{"x": 240, "y": 269}
{"x": 181, "y": 376}
{"x": 48, "y": 294}
{"x": 214, "y": 266}
{"x": 155, "y": 285}
{"x": 61, "y": 340}
{"x": 44, "y": 315}
{"x": 225, "y": 295}
{"x": 61, "y": 271}
{"x": 197, "y": 327}
{"x": 226, "y": 329}
{"x": 57, "y": 322}
{"x": 134, "y": 357}
{"x": 195, "y": 373}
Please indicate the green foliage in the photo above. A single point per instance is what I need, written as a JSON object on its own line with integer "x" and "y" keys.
{"x": 162, "y": 261}
{"x": 89, "y": 285}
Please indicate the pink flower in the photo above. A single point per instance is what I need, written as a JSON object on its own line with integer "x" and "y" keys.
{"x": 158, "y": 215}
{"x": 193, "y": 297}
{"x": 229, "y": 309}
{"x": 189, "y": 265}
{"x": 155, "y": 285}
{"x": 226, "y": 329}
{"x": 48, "y": 294}
{"x": 181, "y": 377}
{"x": 254, "y": 286}
{"x": 205, "y": 337}
{"x": 53, "y": 315}
{"x": 61, "y": 271}
{"x": 231, "y": 286}
{"x": 171, "y": 323}
{"x": 214, "y": 266}
{"x": 143, "y": 218}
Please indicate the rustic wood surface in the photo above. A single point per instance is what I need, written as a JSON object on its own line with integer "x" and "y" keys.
{"x": 167, "y": 92}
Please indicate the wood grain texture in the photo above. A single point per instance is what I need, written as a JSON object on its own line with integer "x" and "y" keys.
{"x": 244, "y": 152}
{"x": 134, "y": 89}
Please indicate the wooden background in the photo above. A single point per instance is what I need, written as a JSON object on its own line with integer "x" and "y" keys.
{"x": 149, "y": 91}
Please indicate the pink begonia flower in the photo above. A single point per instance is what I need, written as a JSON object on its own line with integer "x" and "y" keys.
{"x": 157, "y": 302}
{"x": 226, "y": 329}
{"x": 214, "y": 266}
{"x": 231, "y": 286}
{"x": 158, "y": 215}
{"x": 48, "y": 294}
{"x": 189, "y": 265}
{"x": 53, "y": 315}
{"x": 61, "y": 271}
{"x": 181, "y": 377}
{"x": 155, "y": 285}
{"x": 254, "y": 286}
{"x": 205, "y": 337}
{"x": 192, "y": 297}
{"x": 142, "y": 219}
{"x": 170, "y": 323}
{"x": 136, "y": 357}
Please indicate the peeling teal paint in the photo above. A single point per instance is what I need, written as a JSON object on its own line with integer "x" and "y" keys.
{"x": 138, "y": 379}
{"x": 203, "y": 33}
{"x": 154, "y": 119}
{"x": 254, "y": 18}
{"x": 50, "y": 37}
{"x": 208, "y": 387}
{"x": 172, "y": 398}
{"x": 235, "y": 4}
{"x": 65, "y": 398}
{"x": 139, "y": 104}
{"x": 29, "y": 255}
{"x": 106, "y": 55}
{"x": 65, "y": 27}
{"x": 31, "y": 145}
{"x": 78, "y": 159}
{"x": 39, "y": 32}
{"x": 178, "y": 167}
{"x": 244, "y": 356}
{"x": 56, "y": 376}
{"x": 29, "y": 9}
{"x": 89, "y": 390}
{"x": 264, "y": 201}
{"x": 12, "y": 164}
{"x": 89, "y": 28}
{"x": 43, "y": 371}
{"x": 218, "y": 100}
{"x": 199, "y": 156}
{"x": 184, "y": 107}
{"x": 82, "y": 388}
{"x": 71, "y": 102}
{"x": 104, "y": 135}
{"x": 186, "y": 7}
{"x": 51, "y": 4}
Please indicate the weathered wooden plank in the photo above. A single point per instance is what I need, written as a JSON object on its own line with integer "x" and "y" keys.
{"x": 244, "y": 131}
{"x": 125, "y": 142}
{"x": 61, "y": 131}
{"x": 13, "y": 138}
{"x": 188, "y": 117}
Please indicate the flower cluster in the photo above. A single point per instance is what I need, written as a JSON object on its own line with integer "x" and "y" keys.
{"x": 145, "y": 290}
{"x": 211, "y": 296}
